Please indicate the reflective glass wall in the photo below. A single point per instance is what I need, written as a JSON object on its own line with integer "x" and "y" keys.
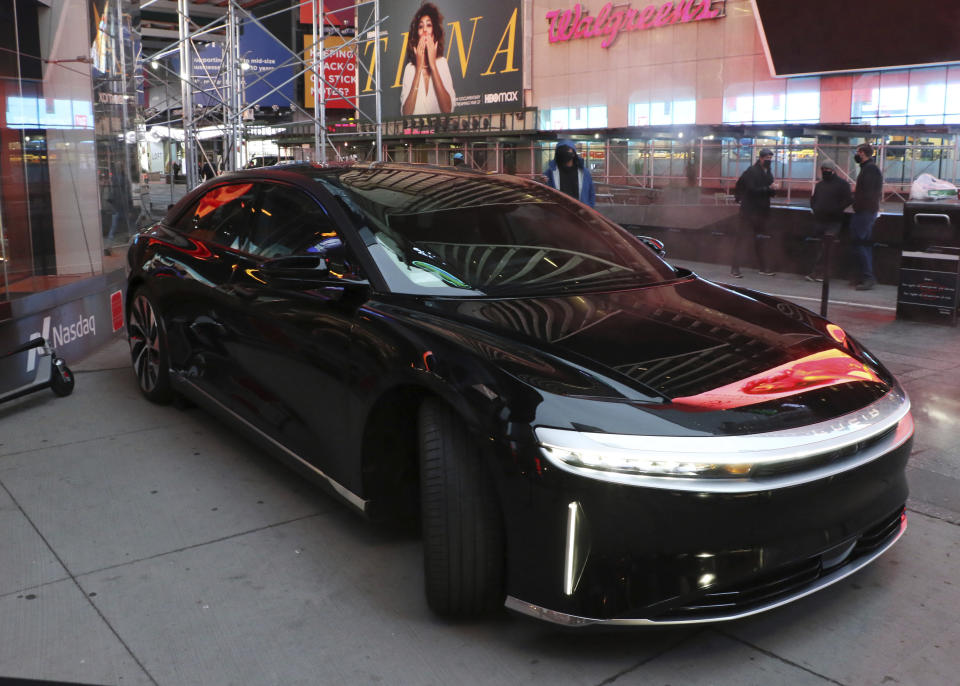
{"x": 118, "y": 105}
{"x": 49, "y": 204}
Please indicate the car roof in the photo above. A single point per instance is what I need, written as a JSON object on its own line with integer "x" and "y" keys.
{"x": 426, "y": 187}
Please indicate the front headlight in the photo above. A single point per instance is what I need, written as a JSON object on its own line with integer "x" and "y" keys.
{"x": 776, "y": 459}
{"x": 642, "y": 462}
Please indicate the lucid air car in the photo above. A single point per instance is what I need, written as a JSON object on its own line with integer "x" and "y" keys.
{"x": 586, "y": 433}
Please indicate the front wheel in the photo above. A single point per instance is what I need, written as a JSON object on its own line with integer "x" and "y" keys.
{"x": 61, "y": 378}
{"x": 463, "y": 540}
{"x": 148, "y": 349}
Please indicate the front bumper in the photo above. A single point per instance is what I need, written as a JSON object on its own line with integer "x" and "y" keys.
{"x": 585, "y": 551}
{"x": 777, "y": 588}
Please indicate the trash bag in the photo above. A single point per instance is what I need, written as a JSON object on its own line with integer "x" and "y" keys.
{"x": 929, "y": 187}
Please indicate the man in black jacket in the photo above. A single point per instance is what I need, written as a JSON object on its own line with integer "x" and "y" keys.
{"x": 866, "y": 205}
{"x": 830, "y": 198}
{"x": 755, "y": 187}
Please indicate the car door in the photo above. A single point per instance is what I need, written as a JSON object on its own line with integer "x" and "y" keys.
{"x": 292, "y": 342}
{"x": 211, "y": 235}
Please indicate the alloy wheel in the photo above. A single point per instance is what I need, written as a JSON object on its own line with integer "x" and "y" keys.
{"x": 144, "y": 337}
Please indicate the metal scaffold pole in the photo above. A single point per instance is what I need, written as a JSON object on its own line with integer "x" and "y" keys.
{"x": 121, "y": 48}
{"x": 319, "y": 139}
{"x": 232, "y": 113}
{"x": 229, "y": 97}
{"x": 376, "y": 78}
{"x": 186, "y": 95}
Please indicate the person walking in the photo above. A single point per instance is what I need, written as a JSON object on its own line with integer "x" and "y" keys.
{"x": 831, "y": 196}
{"x": 119, "y": 200}
{"x": 458, "y": 160}
{"x": 206, "y": 170}
{"x": 567, "y": 173}
{"x": 866, "y": 207}
{"x": 754, "y": 190}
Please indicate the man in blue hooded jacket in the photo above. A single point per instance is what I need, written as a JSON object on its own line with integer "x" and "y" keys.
{"x": 567, "y": 173}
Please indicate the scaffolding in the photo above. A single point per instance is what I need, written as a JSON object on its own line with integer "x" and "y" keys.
{"x": 227, "y": 86}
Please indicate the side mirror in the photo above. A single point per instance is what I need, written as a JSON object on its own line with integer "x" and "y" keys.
{"x": 297, "y": 267}
{"x": 655, "y": 245}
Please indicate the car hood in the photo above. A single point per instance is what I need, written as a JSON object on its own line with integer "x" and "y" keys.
{"x": 695, "y": 346}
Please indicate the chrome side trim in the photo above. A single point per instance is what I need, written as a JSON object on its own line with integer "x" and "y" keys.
{"x": 340, "y": 489}
{"x": 774, "y": 447}
{"x": 575, "y": 620}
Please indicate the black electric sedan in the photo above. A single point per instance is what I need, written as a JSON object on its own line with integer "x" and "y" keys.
{"x": 586, "y": 433}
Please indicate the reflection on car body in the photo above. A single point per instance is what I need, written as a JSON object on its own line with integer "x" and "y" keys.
{"x": 587, "y": 433}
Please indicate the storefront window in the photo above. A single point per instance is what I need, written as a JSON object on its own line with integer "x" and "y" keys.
{"x": 578, "y": 118}
{"x": 952, "y": 106}
{"x": 773, "y": 102}
{"x": 865, "y": 102}
{"x": 49, "y": 224}
{"x": 559, "y": 119}
{"x": 907, "y": 96}
{"x": 928, "y": 90}
{"x": 597, "y": 117}
{"x": 640, "y": 114}
{"x": 803, "y": 101}
{"x": 893, "y": 97}
{"x": 677, "y": 112}
{"x": 119, "y": 117}
{"x": 738, "y": 109}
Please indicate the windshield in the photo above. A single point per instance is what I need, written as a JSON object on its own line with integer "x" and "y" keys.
{"x": 451, "y": 234}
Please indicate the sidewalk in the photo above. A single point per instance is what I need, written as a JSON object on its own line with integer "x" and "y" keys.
{"x": 151, "y": 545}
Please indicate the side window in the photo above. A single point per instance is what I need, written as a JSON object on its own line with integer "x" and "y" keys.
{"x": 223, "y": 215}
{"x": 290, "y": 222}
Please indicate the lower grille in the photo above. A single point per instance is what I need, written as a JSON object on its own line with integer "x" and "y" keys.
{"x": 781, "y": 583}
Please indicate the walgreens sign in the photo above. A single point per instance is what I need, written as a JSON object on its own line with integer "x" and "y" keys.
{"x": 613, "y": 19}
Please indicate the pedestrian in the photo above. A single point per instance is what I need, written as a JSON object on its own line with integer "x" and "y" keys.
{"x": 866, "y": 207}
{"x": 206, "y": 171}
{"x": 119, "y": 200}
{"x": 567, "y": 172}
{"x": 753, "y": 191}
{"x": 458, "y": 160}
{"x": 831, "y": 196}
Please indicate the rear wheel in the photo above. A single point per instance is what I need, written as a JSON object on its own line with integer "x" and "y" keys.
{"x": 463, "y": 541}
{"x": 148, "y": 349}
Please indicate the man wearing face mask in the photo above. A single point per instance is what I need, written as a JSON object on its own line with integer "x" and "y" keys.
{"x": 866, "y": 206}
{"x": 567, "y": 173}
{"x": 830, "y": 198}
{"x": 754, "y": 190}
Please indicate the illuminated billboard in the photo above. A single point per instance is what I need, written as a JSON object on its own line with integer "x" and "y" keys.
{"x": 445, "y": 57}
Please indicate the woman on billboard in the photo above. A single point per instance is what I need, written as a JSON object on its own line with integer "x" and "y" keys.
{"x": 427, "y": 85}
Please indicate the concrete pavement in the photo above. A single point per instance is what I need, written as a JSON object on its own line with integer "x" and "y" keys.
{"x": 150, "y": 545}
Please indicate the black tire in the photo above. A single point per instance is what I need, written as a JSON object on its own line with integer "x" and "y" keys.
{"x": 463, "y": 539}
{"x": 148, "y": 349}
{"x": 61, "y": 380}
